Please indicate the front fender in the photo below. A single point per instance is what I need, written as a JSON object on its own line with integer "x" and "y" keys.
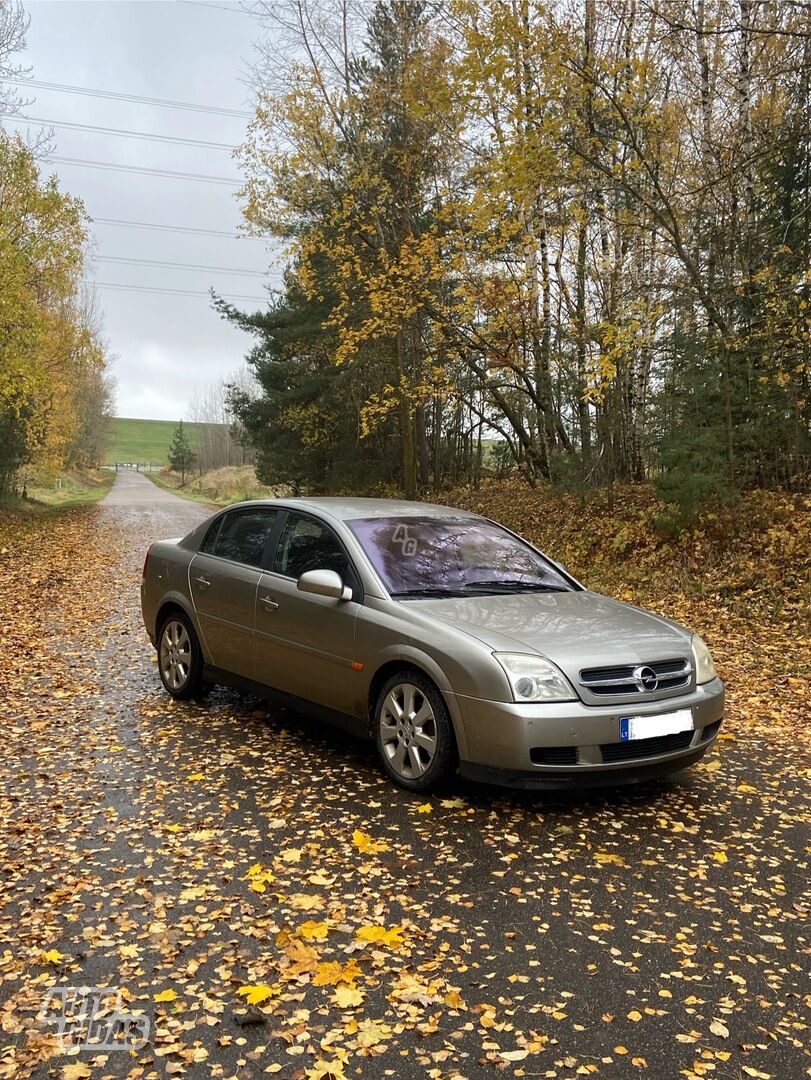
{"x": 416, "y": 657}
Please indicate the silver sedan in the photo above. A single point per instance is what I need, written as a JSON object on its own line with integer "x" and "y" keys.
{"x": 445, "y": 637}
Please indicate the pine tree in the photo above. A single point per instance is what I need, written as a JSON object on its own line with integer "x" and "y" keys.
{"x": 181, "y": 455}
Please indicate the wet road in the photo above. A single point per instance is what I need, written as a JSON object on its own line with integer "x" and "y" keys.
{"x": 182, "y": 853}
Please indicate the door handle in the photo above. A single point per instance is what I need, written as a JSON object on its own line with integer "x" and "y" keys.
{"x": 269, "y": 603}
{"x": 203, "y": 582}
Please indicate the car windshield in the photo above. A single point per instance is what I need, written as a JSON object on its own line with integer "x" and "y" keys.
{"x": 430, "y": 556}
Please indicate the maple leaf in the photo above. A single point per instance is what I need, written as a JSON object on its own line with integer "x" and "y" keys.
{"x": 53, "y": 956}
{"x": 392, "y": 936}
{"x": 372, "y": 1033}
{"x": 165, "y": 995}
{"x": 291, "y": 855}
{"x": 320, "y": 877}
{"x": 606, "y": 857}
{"x": 425, "y": 808}
{"x": 412, "y": 990}
{"x": 196, "y": 776}
{"x": 259, "y": 877}
{"x": 256, "y": 993}
{"x": 313, "y": 931}
{"x": 346, "y": 997}
{"x": 364, "y": 843}
{"x": 77, "y": 1070}
{"x": 331, "y": 973}
{"x": 304, "y": 958}
{"x": 326, "y": 1070}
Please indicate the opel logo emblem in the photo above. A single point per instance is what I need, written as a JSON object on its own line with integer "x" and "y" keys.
{"x": 646, "y": 679}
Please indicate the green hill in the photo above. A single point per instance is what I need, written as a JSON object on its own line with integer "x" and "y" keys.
{"x": 144, "y": 441}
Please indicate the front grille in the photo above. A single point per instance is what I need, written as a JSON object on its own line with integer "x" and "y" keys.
{"x": 553, "y": 755}
{"x": 640, "y": 748}
{"x": 621, "y": 680}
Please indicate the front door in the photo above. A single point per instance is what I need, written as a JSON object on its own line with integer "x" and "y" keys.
{"x": 305, "y": 643}
{"x": 223, "y": 579}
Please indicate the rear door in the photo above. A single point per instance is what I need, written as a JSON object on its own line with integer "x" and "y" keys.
{"x": 223, "y": 579}
{"x": 305, "y": 643}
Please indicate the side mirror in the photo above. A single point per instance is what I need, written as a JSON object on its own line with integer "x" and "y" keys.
{"x": 324, "y": 583}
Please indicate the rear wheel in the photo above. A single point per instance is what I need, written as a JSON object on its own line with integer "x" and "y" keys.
{"x": 413, "y": 732}
{"x": 180, "y": 661}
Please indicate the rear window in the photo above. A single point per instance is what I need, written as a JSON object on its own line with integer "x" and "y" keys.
{"x": 241, "y": 536}
{"x": 453, "y": 557}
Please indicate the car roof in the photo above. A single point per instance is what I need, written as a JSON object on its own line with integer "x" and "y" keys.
{"x": 348, "y": 509}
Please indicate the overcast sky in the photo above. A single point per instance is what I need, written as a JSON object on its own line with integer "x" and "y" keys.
{"x": 167, "y": 345}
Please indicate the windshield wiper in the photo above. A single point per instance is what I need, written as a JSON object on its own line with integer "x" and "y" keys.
{"x": 411, "y": 594}
{"x": 511, "y": 586}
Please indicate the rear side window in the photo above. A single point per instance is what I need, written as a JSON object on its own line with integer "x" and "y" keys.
{"x": 305, "y": 545}
{"x": 241, "y": 536}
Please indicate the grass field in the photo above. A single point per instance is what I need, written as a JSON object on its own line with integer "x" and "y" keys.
{"x": 144, "y": 442}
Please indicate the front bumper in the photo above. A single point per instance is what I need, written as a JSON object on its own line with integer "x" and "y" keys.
{"x": 572, "y": 743}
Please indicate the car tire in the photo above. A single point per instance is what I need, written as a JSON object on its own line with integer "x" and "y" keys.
{"x": 180, "y": 660}
{"x": 413, "y": 732}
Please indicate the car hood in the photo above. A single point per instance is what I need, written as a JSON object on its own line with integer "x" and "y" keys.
{"x": 574, "y": 629}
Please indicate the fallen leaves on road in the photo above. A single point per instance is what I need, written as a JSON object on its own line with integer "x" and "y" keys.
{"x": 255, "y": 887}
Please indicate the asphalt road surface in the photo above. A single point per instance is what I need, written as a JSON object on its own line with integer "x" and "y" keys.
{"x": 192, "y": 857}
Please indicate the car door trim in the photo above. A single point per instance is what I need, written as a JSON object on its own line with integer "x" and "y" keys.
{"x": 354, "y": 725}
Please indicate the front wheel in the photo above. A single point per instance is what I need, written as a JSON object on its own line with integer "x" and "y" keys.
{"x": 413, "y": 732}
{"x": 180, "y": 661}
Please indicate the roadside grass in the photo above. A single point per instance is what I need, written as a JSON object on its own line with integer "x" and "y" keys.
{"x": 61, "y": 491}
{"x": 220, "y": 487}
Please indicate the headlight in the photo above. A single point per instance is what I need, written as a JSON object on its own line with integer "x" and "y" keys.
{"x": 534, "y": 679}
{"x": 705, "y": 668}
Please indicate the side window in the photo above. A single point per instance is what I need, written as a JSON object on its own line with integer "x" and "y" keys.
{"x": 207, "y": 546}
{"x": 242, "y": 536}
{"x": 306, "y": 544}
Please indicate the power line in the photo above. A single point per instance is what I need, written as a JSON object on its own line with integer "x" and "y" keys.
{"x": 179, "y": 266}
{"x": 64, "y": 88}
{"x": 174, "y": 228}
{"x": 123, "y": 132}
{"x": 220, "y": 7}
{"x": 170, "y": 292}
{"x": 164, "y": 173}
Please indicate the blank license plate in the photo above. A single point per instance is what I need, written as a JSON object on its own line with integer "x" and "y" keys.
{"x": 649, "y": 727}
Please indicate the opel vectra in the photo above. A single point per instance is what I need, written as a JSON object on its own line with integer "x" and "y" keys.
{"x": 446, "y": 638}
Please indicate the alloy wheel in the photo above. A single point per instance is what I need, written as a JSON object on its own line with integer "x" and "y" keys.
{"x": 175, "y": 654}
{"x": 408, "y": 730}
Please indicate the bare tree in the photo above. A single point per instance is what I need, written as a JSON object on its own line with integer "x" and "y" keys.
{"x": 219, "y": 442}
{"x": 13, "y": 26}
